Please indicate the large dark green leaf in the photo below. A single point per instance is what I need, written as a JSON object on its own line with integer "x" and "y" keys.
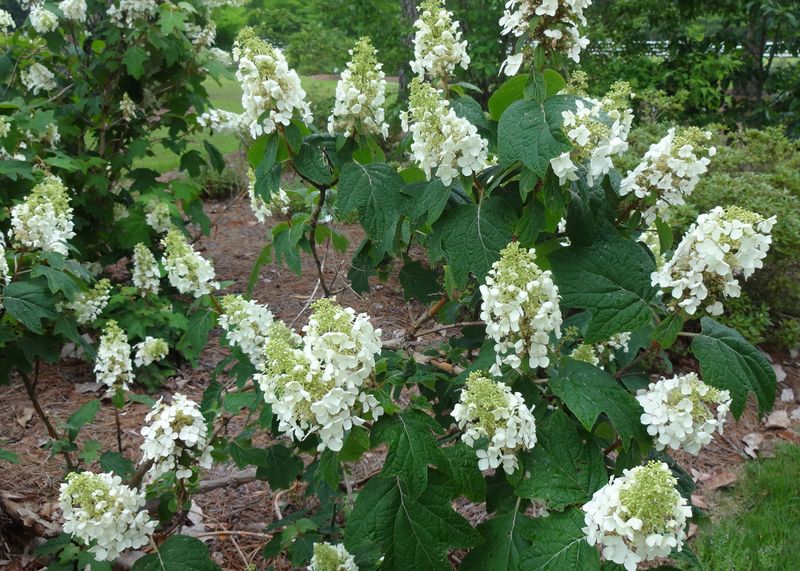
{"x": 473, "y": 235}
{"x": 729, "y": 362}
{"x": 564, "y": 468}
{"x": 178, "y": 553}
{"x": 589, "y": 391}
{"x": 610, "y": 279}
{"x": 412, "y": 533}
{"x": 506, "y": 536}
{"x": 526, "y": 133}
{"x": 462, "y": 469}
{"x": 560, "y": 545}
{"x": 29, "y": 302}
{"x": 375, "y": 192}
{"x": 419, "y": 282}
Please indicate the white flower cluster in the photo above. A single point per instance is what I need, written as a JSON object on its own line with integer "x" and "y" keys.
{"x": 43, "y": 20}
{"x": 104, "y": 513}
{"x": 442, "y": 141}
{"x": 599, "y": 353}
{"x": 555, "y": 28}
{"x": 127, "y": 107}
{"x": 44, "y": 220}
{"x": 149, "y": 351}
{"x": 438, "y": 47}
{"x": 5, "y": 273}
{"x": 319, "y": 384}
{"x": 202, "y": 37}
{"x": 175, "y": 438}
{"x": 88, "y": 305}
{"x": 489, "y": 410}
{"x": 6, "y": 22}
{"x": 146, "y": 275}
{"x": 279, "y": 202}
{"x": 271, "y": 92}
{"x": 360, "y": 95}
{"x": 638, "y": 516}
{"x": 38, "y": 78}
{"x": 188, "y": 271}
{"x": 670, "y": 170}
{"x": 720, "y": 246}
{"x": 246, "y": 324}
{"x": 127, "y": 12}
{"x": 678, "y": 412}
{"x": 329, "y": 557}
{"x": 113, "y": 365}
{"x": 221, "y": 121}
{"x": 157, "y": 216}
{"x": 73, "y": 9}
{"x": 520, "y": 309}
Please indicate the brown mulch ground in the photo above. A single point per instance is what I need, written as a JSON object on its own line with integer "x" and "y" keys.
{"x": 234, "y": 245}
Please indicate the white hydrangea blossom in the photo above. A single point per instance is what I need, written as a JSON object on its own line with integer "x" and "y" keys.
{"x": 438, "y": 47}
{"x": 246, "y": 324}
{"x": 329, "y": 557}
{"x": 127, "y": 107}
{"x": 188, "y": 271}
{"x": 38, "y": 78}
{"x": 587, "y": 353}
{"x": 555, "y": 28}
{"x": 598, "y": 354}
{"x": 73, "y": 9}
{"x": 88, "y": 305}
{"x": 157, "y": 216}
{"x": 175, "y": 438}
{"x": 670, "y": 170}
{"x": 319, "y": 385}
{"x": 43, "y": 20}
{"x": 279, "y": 202}
{"x": 6, "y": 22}
{"x": 360, "y": 95}
{"x": 618, "y": 342}
{"x": 221, "y": 121}
{"x": 104, "y": 513}
{"x": 146, "y": 275}
{"x": 442, "y": 141}
{"x": 221, "y": 56}
{"x": 127, "y": 12}
{"x": 269, "y": 87}
{"x": 5, "y": 273}
{"x": 637, "y": 517}
{"x": 489, "y": 410}
{"x": 520, "y": 309}
{"x": 149, "y": 351}
{"x": 678, "y": 412}
{"x": 113, "y": 365}
{"x": 202, "y": 37}
{"x": 720, "y": 246}
{"x": 44, "y": 220}
{"x": 5, "y": 124}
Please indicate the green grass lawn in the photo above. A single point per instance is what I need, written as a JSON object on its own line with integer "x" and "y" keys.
{"x": 757, "y": 522}
{"x": 228, "y": 96}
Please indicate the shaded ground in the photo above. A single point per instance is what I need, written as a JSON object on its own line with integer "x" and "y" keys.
{"x": 233, "y": 519}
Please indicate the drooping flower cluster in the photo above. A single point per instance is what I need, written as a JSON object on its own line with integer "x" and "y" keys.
{"x": 598, "y": 354}
{"x": 638, "y": 516}
{"x": 44, "y": 220}
{"x": 329, "y": 557}
{"x": 5, "y": 273}
{"x": 489, "y": 410}
{"x": 146, "y": 275}
{"x": 442, "y": 141}
{"x": 720, "y": 246}
{"x": 279, "y": 202}
{"x": 149, "y": 351}
{"x": 669, "y": 171}
{"x": 175, "y": 438}
{"x": 360, "y": 95}
{"x": 246, "y": 324}
{"x": 38, "y": 78}
{"x": 113, "y": 365}
{"x": 88, "y": 305}
{"x": 549, "y": 24}
{"x": 188, "y": 271}
{"x": 42, "y": 19}
{"x": 679, "y": 412}
{"x": 202, "y": 36}
{"x": 6, "y": 22}
{"x": 127, "y": 12}
{"x": 319, "y": 385}
{"x": 157, "y": 216}
{"x": 221, "y": 121}
{"x": 73, "y": 9}
{"x": 104, "y": 513}
{"x": 520, "y": 309}
{"x": 271, "y": 92}
{"x": 127, "y": 107}
{"x": 438, "y": 47}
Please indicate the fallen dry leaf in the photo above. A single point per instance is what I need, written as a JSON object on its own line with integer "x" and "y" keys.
{"x": 698, "y": 476}
{"x": 789, "y": 436}
{"x": 787, "y": 395}
{"x": 778, "y": 419}
{"x": 699, "y": 501}
{"x": 752, "y": 442}
{"x": 780, "y": 373}
{"x": 720, "y": 480}
{"x": 692, "y": 530}
{"x": 25, "y": 416}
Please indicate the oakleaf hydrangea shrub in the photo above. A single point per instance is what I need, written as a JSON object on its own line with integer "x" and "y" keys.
{"x": 537, "y": 382}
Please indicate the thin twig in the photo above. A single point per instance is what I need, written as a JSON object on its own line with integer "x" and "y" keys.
{"x": 687, "y": 334}
{"x": 119, "y": 430}
{"x": 614, "y": 445}
{"x": 233, "y": 532}
{"x": 348, "y": 485}
{"x": 653, "y": 348}
{"x": 312, "y": 239}
{"x": 428, "y": 315}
